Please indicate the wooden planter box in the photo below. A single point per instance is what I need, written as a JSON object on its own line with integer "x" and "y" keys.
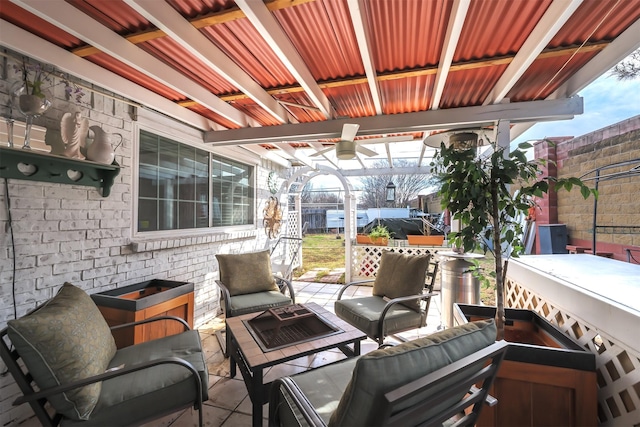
{"x": 425, "y": 240}
{"x": 366, "y": 240}
{"x": 142, "y": 301}
{"x": 547, "y": 378}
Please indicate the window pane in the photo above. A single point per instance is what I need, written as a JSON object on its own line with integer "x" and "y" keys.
{"x": 175, "y": 182}
{"x": 167, "y": 215}
{"x": 148, "y": 181}
{"x": 232, "y": 194}
{"x": 147, "y": 214}
{"x": 186, "y": 215}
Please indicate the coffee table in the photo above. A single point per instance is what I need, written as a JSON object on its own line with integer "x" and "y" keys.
{"x": 247, "y": 354}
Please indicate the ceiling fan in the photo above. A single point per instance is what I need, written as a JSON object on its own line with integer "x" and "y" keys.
{"x": 347, "y": 146}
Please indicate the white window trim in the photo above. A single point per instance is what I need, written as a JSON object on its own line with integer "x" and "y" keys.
{"x": 161, "y": 126}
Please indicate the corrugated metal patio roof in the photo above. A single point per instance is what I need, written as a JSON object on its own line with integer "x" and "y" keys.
{"x": 234, "y": 69}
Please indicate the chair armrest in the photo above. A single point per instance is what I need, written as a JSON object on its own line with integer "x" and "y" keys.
{"x": 115, "y": 372}
{"x": 398, "y": 300}
{"x": 152, "y": 319}
{"x": 225, "y": 296}
{"x": 285, "y": 284}
{"x": 356, "y": 282}
{"x": 295, "y": 397}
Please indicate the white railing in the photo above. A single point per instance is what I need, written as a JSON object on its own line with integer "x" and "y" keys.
{"x": 595, "y": 300}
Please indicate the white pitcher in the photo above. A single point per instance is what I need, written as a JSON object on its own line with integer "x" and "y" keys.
{"x": 102, "y": 150}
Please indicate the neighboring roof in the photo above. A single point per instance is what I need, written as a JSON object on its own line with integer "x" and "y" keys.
{"x": 282, "y": 77}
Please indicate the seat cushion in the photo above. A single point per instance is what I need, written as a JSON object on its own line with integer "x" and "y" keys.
{"x": 364, "y": 313}
{"x": 322, "y": 387}
{"x": 400, "y": 275}
{"x": 66, "y": 340}
{"x": 259, "y": 301}
{"x": 381, "y": 371}
{"x": 246, "y": 273}
{"x": 131, "y": 399}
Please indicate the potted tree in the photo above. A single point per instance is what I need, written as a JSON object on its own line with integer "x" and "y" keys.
{"x": 479, "y": 192}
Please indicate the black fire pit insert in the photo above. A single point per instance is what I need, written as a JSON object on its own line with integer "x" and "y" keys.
{"x": 283, "y": 326}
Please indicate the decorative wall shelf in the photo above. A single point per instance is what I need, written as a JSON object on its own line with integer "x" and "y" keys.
{"x": 16, "y": 163}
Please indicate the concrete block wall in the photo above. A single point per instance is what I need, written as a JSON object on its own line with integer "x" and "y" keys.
{"x": 618, "y": 203}
{"x": 68, "y": 233}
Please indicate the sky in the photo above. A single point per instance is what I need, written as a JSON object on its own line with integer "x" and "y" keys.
{"x": 607, "y": 100}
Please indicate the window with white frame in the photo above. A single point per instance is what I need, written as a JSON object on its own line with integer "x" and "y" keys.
{"x": 183, "y": 187}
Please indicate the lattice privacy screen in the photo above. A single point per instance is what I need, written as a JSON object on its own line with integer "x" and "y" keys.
{"x": 366, "y": 259}
{"x": 618, "y": 367}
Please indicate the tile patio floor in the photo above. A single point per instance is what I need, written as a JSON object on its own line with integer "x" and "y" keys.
{"x": 229, "y": 404}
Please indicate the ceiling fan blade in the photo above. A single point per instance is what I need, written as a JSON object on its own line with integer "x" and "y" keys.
{"x": 349, "y": 131}
{"x": 365, "y": 151}
{"x": 321, "y": 152}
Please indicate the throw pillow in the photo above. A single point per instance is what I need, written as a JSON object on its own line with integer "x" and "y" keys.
{"x": 381, "y": 371}
{"x": 246, "y": 273}
{"x": 400, "y": 275}
{"x": 65, "y": 340}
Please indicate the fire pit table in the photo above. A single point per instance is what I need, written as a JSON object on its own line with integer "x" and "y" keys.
{"x": 257, "y": 342}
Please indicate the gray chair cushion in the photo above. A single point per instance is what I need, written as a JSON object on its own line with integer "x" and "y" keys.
{"x": 133, "y": 397}
{"x": 259, "y": 301}
{"x": 364, "y": 314}
{"x": 66, "y": 340}
{"x": 384, "y": 370}
{"x": 400, "y": 275}
{"x": 246, "y": 273}
{"x": 322, "y": 387}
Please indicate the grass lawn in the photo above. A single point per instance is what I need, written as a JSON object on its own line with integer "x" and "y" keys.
{"x": 321, "y": 251}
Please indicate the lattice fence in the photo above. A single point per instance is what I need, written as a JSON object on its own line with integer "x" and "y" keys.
{"x": 366, "y": 259}
{"x": 618, "y": 367}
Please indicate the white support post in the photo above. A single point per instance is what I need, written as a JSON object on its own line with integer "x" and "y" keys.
{"x": 298, "y": 205}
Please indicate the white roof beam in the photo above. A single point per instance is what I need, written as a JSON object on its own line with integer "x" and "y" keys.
{"x": 454, "y": 28}
{"x": 389, "y": 158}
{"x": 31, "y": 45}
{"x": 267, "y": 154}
{"x": 166, "y": 18}
{"x": 361, "y": 28}
{"x": 409, "y": 170}
{"x": 615, "y": 52}
{"x": 451, "y": 118}
{"x": 305, "y": 160}
{"x": 553, "y": 19}
{"x": 272, "y": 32}
{"x": 422, "y": 151}
{"x": 73, "y": 21}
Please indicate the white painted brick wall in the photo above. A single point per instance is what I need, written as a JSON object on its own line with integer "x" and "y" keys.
{"x": 70, "y": 233}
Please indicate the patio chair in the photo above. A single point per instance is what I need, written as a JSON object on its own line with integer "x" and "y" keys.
{"x": 247, "y": 285}
{"x": 400, "y": 298}
{"x": 442, "y": 378}
{"x": 64, "y": 349}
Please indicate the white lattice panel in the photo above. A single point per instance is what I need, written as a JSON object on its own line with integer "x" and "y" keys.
{"x": 618, "y": 368}
{"x": 366, "y": 259}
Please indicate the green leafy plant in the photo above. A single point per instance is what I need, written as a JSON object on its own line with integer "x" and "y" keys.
{"x": 380, "y": 231}
{"x": 477, "y": 191}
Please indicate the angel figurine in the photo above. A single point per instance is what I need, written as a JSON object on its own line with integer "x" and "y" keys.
{"x": 74, "y": 128}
